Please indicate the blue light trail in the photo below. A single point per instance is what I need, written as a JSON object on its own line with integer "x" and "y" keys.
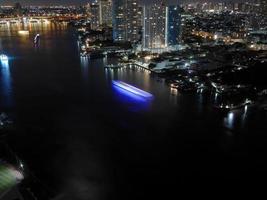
{"x": 132, "y": 89}
{"x": 135, "y": 99}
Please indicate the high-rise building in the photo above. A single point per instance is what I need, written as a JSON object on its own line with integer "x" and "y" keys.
{"x": 18, "y": 9}
{"x": 173, "y": 25}
{"x": 118, "y": 20}
{"x": 133, "y": 20}
{"x": 95, "y": 15}
{"x": 100, "y": 13}
{"x": 161, "y": 25}
{"x": 105, "y": 12}
{"x": 263, "y": 5}
{"x": 126, "y": 20}
{"x": 154, "y": 26}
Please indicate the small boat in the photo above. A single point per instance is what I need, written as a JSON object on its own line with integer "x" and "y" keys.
{"x": 36, "y": 38}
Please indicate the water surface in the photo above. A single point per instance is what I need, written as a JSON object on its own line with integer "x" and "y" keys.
{"x": 85, "y": 139}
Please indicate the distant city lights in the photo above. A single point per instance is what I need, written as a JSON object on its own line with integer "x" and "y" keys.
{"x": 23, "y": 32}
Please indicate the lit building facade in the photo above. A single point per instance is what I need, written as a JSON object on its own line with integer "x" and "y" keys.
{"x": 263, "y": 5}
{"x": 161, "y": 26}
{"x": 94, "y": 10}
{"x": 100, "y": 13}
{"x": 154, "y": 26}
{"x": 173, "y": 25}
{"x": 126, "y": 20}
{"x": 105, "y": 12}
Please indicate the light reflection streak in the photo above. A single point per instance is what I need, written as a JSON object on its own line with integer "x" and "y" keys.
{"x": 216, "y": 98}
{"x": 173, "y": 95}
{"x": 244, "y": 116}
{"x": 84, "y": 68}
{"x": 174, "y": 91}
{"x": 105, "y": 60}
{"x": 110, "y": 74}
{"x": 6, "y": 88}
{"x": 229, "y": 120}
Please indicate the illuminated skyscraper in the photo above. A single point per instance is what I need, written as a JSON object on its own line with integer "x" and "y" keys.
{"x": 118, "y": 20}
{"x": 126, "y": 20}
{"x": 161, "y": 25}
{"x": 105, "y": 12}
{"x": 263, "y": 4}
{"x": 100, "y": 13}
{"x": 18, "y": 9}
{"x": 95, "y": 15}
{"x": 154, "y": 26}
{"x": 173, "y": 25}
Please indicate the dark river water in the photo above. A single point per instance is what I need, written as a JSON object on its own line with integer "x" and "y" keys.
{"x": 86, "y": 139}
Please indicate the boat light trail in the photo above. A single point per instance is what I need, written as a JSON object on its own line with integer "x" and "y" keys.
{"x": 132, "y": 89}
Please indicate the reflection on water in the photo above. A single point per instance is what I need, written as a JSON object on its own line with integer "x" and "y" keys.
{"x": 173, "y": 91}
{"x": 200, "y": 101}
{"x": 5, "y": 85}
{"x": 173, "y": 95}
{"x": 237, "y": 119}
{"x": 76, "y": 120}
{"x": 229, "y": 120}
{"x": 244, "y": 116}
{"x": 105, "y": 60}
{"x": 216, "y": 98}
{"x": 12, "y": 29}
{"x": 84, "y": 68}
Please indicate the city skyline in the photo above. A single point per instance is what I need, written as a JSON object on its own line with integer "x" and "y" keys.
{"x": 131, "y": 99}
{"x": 81, "y": 2}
